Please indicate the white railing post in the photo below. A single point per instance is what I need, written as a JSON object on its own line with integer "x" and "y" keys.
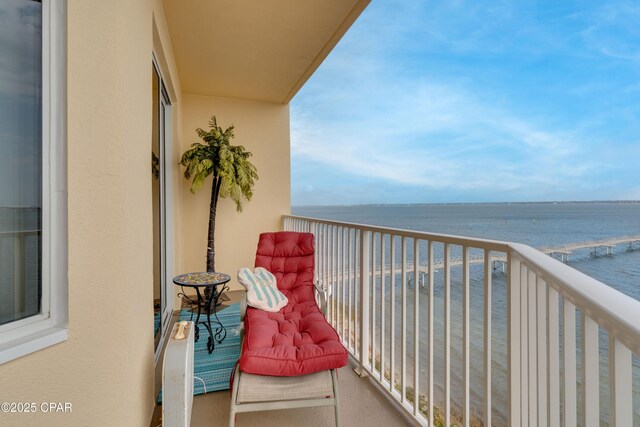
{"x": 542, "y": 353}
{"x": 532, "y": 288}
{"x": 466, "y": 388}
{"x": 312, "y": 230}
{"x": 513, "y": 340}
{"x": 365, "y": 254}
{"x": 569, "y": 352}
{"x": 372, "y": 295}
{"x": 430, "y": 358}
{"x": 416, "y": 327}
{"x": 334, "y": 275}
{"x": 345, "y": 284}
{"x": 392, "y": 303}
{"x": 447, "y": 334}
{"x": 352, "y": 275}
{"x": 590, "y": 372}
{"x": 621, "y": 384}
{"x": 383, "y": 303}
{"x": 553, "y": 355}
{"x": 487, "y": 337}
{"x": 524, "y": 346}
{"x": 403, "y": 321}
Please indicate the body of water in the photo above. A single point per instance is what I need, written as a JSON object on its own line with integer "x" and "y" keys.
{"x": 535, "y": 224}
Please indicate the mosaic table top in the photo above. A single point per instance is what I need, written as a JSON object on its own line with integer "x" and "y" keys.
{"x": 201, "y": 279}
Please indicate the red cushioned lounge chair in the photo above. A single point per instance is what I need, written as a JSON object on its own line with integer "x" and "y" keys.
{"x": 289, "y": 358}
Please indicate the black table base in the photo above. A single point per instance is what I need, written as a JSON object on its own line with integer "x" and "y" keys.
{"x": 208, "y": 302}
{"x": 209, "y": 286}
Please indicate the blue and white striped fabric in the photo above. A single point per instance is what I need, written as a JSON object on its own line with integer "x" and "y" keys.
{"x": 262, "y": 289}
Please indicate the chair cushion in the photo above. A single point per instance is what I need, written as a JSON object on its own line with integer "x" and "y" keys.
{"x": 262, "y": 291}
{"x": 295, "y": 341}
{"x": 290, "y": 257}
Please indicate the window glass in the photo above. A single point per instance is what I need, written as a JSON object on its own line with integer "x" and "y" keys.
{"x": 20, "y": 159}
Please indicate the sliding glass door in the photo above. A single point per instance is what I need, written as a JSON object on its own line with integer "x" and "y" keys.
{"x": 161, "y": 121}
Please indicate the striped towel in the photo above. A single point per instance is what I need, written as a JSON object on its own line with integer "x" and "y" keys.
{"x": 262, "y": 290}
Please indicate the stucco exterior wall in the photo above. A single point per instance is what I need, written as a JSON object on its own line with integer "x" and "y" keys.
{"x": 263, "y": 129}
{"x": 105, "y": 368}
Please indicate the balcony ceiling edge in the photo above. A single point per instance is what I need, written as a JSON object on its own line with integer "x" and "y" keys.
{"x": 263, "y": 51}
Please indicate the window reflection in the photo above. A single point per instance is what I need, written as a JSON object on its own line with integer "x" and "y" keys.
{"x": 155, "y": 192}
{"x": 20, "y": 159}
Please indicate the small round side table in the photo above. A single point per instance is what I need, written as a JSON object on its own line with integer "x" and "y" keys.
{"x": 214, "y": 284}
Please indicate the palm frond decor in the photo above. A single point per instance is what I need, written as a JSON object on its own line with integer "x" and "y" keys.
{"x": 233, "y": 174}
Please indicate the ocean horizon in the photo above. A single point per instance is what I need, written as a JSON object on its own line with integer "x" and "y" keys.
{"x": 552, "y": 202}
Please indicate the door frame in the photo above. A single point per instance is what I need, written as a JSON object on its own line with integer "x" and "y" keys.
{"x": 165, "y": 136}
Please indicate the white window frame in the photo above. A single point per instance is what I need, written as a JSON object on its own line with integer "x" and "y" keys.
{"x": 166, "y": 212}
{"x": 49, "y": 327}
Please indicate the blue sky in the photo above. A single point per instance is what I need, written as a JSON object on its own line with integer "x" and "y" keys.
{"x": 454, "y": 101}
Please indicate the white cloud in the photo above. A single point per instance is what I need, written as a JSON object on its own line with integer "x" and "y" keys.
{"x": 378, "y": 110}
{"x": 613, "y": 30}
{"x": 431, "y": 135}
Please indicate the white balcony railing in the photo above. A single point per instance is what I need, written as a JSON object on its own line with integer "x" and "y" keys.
{"x": 19, "y": 287}
{"x": 496, "y": 333}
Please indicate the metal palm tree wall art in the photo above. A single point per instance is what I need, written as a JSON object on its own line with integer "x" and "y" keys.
{"x": 233, "y": 174}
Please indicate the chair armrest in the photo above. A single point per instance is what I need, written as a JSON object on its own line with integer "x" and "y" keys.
{"x": 322, "y": 294}
{"x": 243, "y": 312}
{"x": 243, "y": 306}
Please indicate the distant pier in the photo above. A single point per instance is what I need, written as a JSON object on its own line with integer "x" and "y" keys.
{"x": 498, "y": 262}
{"x": 594, "y": 246}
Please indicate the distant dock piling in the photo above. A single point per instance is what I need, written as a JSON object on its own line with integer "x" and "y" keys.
{"x": 499, "y": 261}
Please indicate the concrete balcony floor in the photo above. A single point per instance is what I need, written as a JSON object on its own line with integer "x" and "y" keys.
{"x": 361, "y": 404}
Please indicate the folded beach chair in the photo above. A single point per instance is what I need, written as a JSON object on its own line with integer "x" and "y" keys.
{"x": 289, "y": 358}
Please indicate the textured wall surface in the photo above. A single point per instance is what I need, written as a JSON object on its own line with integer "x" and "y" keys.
{"x": 105, "y": 368}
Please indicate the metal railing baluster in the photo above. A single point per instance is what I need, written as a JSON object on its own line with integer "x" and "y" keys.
{"x": 465, "y": 338}
{"x": 621, "y": 384}
{"x": 416, "y": 326}
{"x": 542, "y": 351}
{"x": 487, "y": 337}
{"x": 569, "y": 347}
{"x": 383, "y": 304}
{"x": 403, "y": 323}
{"x": 447, "y": 334}
{"x": 533, "y": 352}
